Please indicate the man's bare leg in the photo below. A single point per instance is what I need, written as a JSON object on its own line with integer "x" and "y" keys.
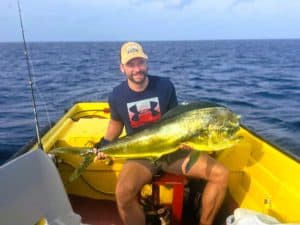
{"x": 130, "y": 181}
{"x": 214, "y": 192}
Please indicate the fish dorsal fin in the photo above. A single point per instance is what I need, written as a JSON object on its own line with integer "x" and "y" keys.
{"x": 181, "y": 108}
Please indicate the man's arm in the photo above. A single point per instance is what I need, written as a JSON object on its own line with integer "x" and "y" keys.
{"x": 114, "y": 130}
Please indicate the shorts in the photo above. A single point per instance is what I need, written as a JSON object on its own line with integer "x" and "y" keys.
{"x": 171, "y": 163}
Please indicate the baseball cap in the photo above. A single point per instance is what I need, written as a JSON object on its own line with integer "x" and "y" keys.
{"x": 131, "y": 50}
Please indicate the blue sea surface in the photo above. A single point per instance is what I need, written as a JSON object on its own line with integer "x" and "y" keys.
{"x": 258, "y": 79}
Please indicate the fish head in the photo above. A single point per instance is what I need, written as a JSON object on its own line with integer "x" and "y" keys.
{"x": 223, "y": 129}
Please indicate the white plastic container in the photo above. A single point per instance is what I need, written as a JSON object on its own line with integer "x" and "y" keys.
{"x": 249, "y": 217}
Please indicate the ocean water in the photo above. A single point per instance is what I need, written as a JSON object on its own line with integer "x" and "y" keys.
{"x": 258, "y": 79}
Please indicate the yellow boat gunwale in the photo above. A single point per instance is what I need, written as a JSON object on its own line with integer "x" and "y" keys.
{"x": 273, "y": 145}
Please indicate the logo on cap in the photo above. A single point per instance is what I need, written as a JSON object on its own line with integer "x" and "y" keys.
{"x": 132, "y": 49}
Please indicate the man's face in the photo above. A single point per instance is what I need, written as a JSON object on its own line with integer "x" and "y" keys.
{"x": 136, "y": 70}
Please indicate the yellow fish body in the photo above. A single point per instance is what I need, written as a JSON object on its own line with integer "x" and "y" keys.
{"x": 203, "y": 126}
{"x": 204, "y": 129}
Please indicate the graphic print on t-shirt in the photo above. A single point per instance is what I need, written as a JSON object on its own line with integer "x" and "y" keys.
{"x": 143, "y": 112}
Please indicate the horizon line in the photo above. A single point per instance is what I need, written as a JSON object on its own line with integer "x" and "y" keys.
{"x": 178, "y": 40}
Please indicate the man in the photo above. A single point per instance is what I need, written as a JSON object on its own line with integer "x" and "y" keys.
{"x": 140, "y": 100}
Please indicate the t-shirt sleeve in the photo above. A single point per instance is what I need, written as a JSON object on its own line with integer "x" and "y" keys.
{"x": 173, "y": 98}
{"x": 113, "y": 108}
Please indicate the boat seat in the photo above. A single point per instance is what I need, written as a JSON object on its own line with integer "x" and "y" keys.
{"x": 177, "y": 183}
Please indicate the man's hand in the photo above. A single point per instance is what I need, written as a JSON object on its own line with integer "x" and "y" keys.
{"x": 97, "y": 149}
{"x": 99, "y": 155}
{"x": 185, "y": 147}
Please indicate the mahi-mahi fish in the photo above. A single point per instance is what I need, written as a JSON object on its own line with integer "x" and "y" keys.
{"x": 202, "y": 126}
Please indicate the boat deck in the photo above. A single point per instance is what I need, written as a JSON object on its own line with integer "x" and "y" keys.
{"x": 96, "y": 212}
{"x": 104, "y": 212}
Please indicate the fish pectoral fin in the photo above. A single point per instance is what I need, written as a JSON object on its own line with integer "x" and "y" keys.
{"x": 194, "y": 156}
{"x": 200, "y": 143}
{"x": 196, "y": 145}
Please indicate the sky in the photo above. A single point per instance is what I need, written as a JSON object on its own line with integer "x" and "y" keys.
{"x": 149, "y": 20}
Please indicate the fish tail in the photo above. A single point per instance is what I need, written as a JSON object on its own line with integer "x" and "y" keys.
{"x": 87, "y": 160}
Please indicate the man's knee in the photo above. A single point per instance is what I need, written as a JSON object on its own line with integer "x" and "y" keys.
{"x": 220, "y": 175}
{"x": 125, "y": 193}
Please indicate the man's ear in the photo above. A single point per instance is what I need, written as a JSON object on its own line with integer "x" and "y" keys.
{"x": 122, "y": 68}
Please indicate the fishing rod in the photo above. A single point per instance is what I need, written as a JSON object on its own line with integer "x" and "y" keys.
{"x": 37, "y": 129}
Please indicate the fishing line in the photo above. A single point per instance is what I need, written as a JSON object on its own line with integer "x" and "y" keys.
{"x": 37, "y": 129}
{"x": 41, "y": 97}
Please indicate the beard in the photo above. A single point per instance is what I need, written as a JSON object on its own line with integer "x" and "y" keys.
{"x": 138, "y": 77}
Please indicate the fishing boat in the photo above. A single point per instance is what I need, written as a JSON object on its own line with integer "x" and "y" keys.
{"x": 263, "y": 178}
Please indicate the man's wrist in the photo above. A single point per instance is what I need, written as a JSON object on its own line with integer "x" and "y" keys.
{"x": 102, "y": 143}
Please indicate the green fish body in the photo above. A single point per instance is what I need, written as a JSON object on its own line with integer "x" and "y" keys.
{"x": 202, "y": 126}
{"x": 204, "y": 129}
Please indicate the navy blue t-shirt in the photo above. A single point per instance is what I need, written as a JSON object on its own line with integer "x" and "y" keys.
{"x": 136, "y": 109}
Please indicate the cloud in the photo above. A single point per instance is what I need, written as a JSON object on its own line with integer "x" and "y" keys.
{"x": 175, "y": 4}
{"x": 238, "y": 2}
